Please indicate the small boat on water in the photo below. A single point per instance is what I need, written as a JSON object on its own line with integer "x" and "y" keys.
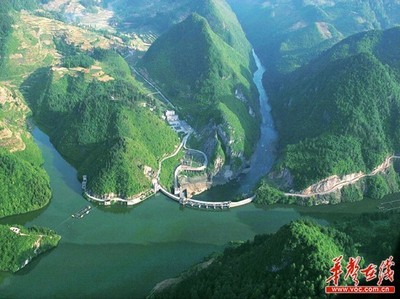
{"x": 82, "y": 212}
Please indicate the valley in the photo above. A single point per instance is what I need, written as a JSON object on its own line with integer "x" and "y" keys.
{"x": 188, "y": 129}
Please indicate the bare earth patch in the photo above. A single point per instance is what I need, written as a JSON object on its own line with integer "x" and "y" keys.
{"x": 10, "y": 132}
{"x": 323, "y": 29}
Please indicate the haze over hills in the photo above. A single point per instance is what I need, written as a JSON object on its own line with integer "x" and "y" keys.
{"x": 329, "y": 113}
{"x": 288, "y": 34}
{"x": 160, "y": 15}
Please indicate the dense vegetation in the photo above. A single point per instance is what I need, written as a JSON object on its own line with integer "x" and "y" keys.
{"x": 200, "y": 72}
{"x": 19, "y": 248}
{"x": 296, "y": 260}
{"x": 340, "y": 113}
{"x": 100, "y": 127}
{"x": 163, "y": 14}
{"x": 5, "y": 27}
{"x": 24, "y": 185}
{"x": 288, "y": 34}
{"x": 376, "y": 234}
{"x": 292, "y": 263}
{"x": 6, "y": 20}
{"x": 267, "y": 194}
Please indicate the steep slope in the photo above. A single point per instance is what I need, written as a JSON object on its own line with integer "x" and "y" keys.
{"x": 340, "y": 113}
{"x": 100, "y": 125}
{"x": 294, "y": 261}
{"x": 201, "y": 73}
{"x": 287, "y": 34}
{"x": 24, "y": 184}
{"x": 158, "y": 16}
{"x": 20, "y": 245}
{"x": 92, "y": 108}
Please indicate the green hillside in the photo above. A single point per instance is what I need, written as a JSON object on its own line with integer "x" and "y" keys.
{"x": 200, "y": 73}
{"x": 340, "y": 113}
{"x": 101, "y": 127}
{"x": 24, "y": 184}
{"x": 160, "y": 15}
{"x": 20, "y": 247}
{"x": 296, "y": 260}
{"x": 288, "y": 34}
{"x": 292, "y": 263}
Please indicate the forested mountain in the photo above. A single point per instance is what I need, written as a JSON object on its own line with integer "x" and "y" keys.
{"x": 293, "y": 262}
{"x": 201, "y": 73}
{"x": 160, "y": 15}
{"x": 100, "y": 125}
{"x": 24, "y": 185}
{"x": 340, "y": 113}
{"x": 288, "y": 34}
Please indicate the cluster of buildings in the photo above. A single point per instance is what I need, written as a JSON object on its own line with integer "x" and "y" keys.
{"x": 175, "y": 123}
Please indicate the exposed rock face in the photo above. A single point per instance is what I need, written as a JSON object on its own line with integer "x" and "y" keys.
{"x": 195, "y": 185}
{"x": 333, "y": 183}
{"x": 284, "y": 178}
{"x": 220, "y": 173}
{"x": 332, "y": 190}
{"x": 218, "y": 163}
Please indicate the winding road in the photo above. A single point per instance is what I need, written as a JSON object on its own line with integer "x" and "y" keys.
{"x": 355, "y": 179}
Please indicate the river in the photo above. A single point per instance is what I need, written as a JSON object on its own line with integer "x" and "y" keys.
{"x": 264, "y": 151}
{"x": 123, "y": 252}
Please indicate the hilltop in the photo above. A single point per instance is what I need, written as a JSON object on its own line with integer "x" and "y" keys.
{"x": 340, "y": 113}
{"x": 210, "y": 83}
{"x": 20, "y": 245}
{"x": 95, "y": 116}
{"x": 159, "y": 16}
{"x": 293, "y": 261}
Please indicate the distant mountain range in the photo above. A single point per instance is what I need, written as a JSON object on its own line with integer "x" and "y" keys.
{"x": 289, "y": 33}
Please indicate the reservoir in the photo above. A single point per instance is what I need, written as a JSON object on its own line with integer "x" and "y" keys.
{"x": 125, "y": 251}
{"x": 120, "y": 251}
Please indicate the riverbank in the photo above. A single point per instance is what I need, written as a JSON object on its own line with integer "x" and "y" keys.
{"x": 20, "y": 245}
{"x": 156, "y": 239}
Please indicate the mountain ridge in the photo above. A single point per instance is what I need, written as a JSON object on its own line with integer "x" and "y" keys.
{"x": 341, "y": 110}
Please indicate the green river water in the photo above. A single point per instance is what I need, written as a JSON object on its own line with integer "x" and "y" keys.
{"x": 120, "y": 251}
{"x": 123, "y": 252}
